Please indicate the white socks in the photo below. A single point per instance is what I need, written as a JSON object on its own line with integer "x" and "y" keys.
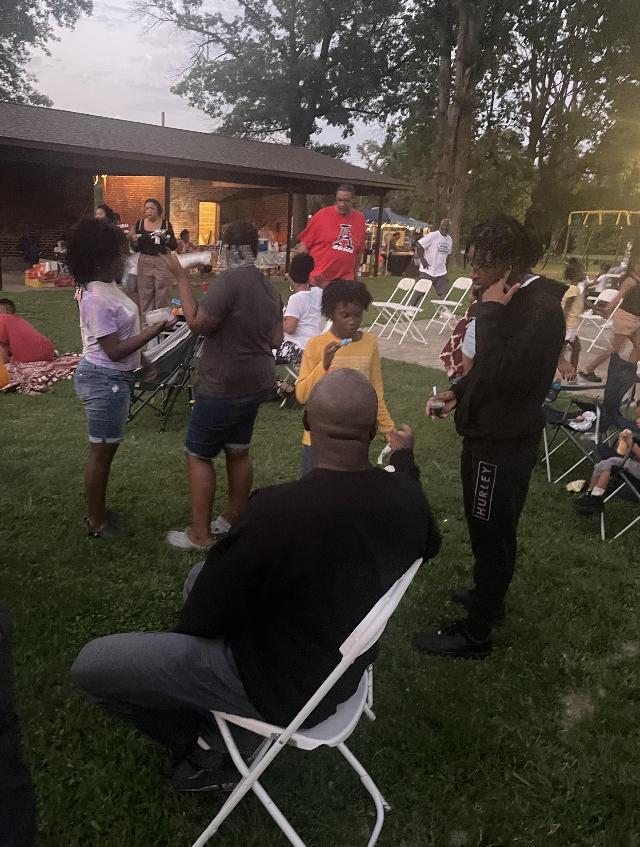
{"x": 597, "y": 492}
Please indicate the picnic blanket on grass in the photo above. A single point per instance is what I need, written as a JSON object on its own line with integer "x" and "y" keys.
{"x": 38, "y": 377}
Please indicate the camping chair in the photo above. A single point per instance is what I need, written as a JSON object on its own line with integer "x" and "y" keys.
{"x": 590, "y": 317}
{"x": 447, "y": 309}
{"x": 332, "y": 732}
{"x": 173, "y": 362}
{"x": 399, "y": 296}
{"x": 607, "y": 420}
{"x": 622, "y": 480}
{"x": 402, "y": 316}
{"x": 294, "y": 372}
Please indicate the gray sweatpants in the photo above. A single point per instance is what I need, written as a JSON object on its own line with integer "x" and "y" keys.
{"x": 630, "y": 466}
{"x": 166, "y": 684}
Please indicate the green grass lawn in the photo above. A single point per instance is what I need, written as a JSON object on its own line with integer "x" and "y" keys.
{"x": 539, "y": 745}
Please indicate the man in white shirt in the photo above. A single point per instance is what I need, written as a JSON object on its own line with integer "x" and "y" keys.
{"x": 434, "y": 251}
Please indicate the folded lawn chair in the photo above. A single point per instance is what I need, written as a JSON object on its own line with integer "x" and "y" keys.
{"x": 400, "y": 296}
{"x": 332, "y": 732}
{"x": 607, "y": 417}
{"x": 172, "y": 360}
{"x": 447, "y": 309}
{"x": 402, "y": 315}
{"x": 590, "y": 317}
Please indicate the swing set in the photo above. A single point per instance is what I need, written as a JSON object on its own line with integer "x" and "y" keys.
{"x": 623, "y": 221}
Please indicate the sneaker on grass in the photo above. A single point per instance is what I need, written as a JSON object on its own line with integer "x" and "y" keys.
{"x": 453, "y": 641}
{"x": 220, "y": 526}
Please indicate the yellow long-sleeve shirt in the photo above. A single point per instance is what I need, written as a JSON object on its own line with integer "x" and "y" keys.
{"x": 360, "y": 355}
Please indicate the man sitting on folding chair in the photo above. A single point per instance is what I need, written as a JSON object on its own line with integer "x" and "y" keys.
{"x": 265, "y": 615}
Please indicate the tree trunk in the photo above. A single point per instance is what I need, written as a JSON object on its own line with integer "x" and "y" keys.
{"x": 450, "y": 177}
{"x": 444, "y": 34}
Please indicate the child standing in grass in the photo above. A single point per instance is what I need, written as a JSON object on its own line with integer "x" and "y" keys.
{"x": 344, "y": 345}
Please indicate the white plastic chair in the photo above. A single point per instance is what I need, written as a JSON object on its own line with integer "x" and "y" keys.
{"x": 591, "y": 317}
{"x": 399, "y": 296}
{"x": 332, "y": 732}
{"x": 447, "y": 309}
{"x": 403, "y": 315}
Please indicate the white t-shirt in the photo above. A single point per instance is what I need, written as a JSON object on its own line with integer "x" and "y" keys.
{"x": 436, "y": 248}
{"x": 469, "y": 340}
{"x": 305, "y": 306}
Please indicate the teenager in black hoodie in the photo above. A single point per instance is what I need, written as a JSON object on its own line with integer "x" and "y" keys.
{"x": 520, "y": 331}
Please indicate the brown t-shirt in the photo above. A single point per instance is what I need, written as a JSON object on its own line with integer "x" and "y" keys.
{"x": 237, "y": 359}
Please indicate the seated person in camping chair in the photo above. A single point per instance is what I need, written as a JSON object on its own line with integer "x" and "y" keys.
{"x": 628, "y": 459}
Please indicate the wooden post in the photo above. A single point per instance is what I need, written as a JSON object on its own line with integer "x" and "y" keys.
{"x": 376, "y": 257}
{"x": 289, "y": 216}
{"x": 167, "y": 197}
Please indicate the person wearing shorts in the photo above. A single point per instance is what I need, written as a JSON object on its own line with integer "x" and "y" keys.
{"x": 240, "y": 318}
{"x": 112, "y": 341}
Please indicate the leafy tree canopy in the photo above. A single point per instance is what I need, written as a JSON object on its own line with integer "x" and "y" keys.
{"x": 25, "y": 25}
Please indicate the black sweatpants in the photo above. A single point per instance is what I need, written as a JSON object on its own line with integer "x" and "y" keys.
{"x": 495, "y": 481}
{"x": 17, "y": 799}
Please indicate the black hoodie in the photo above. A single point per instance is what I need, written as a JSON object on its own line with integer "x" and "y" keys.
{"x": 517, "y": 349}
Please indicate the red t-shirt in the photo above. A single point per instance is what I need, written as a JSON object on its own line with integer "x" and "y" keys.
{"x": 334, "y": 241}
{"x": 25, "y": 343}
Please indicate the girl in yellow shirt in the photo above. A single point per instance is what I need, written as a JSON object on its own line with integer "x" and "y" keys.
{"x": 344, "y": 345}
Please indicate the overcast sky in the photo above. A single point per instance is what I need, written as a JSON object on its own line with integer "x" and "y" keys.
{"x": 111, "y": 65}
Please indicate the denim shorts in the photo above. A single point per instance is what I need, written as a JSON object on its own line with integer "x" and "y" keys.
{"x": 105, "y": 394}
{"x": 221, "y": 422}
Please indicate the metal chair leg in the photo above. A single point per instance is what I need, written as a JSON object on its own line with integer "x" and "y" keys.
{"x": 379, "y": 802}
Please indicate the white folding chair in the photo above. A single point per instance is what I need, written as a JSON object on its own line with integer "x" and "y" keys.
{"x": 447, "y": 309}
{"x": 591, "y": 317}
{"x": 332, "y": 732}
{"x": 399, "y": 296}
{"x": 402, "y": 317}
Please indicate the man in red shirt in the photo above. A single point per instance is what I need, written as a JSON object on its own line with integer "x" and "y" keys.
{"x": 335, "y": 237}
{"x": 19, "y": 341}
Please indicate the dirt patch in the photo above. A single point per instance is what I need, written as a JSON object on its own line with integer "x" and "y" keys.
{"x": 577, "y": 707}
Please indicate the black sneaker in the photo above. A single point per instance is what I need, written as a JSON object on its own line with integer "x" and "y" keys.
{"x": 454, "y": 642}
{"x": 590, "y": 376}
{"x": 464, "y": 598}
{"x": 589, "y": 504}
{"x": 205, "y": 771}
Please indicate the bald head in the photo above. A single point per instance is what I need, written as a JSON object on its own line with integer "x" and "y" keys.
{"x": 343, "y": 406}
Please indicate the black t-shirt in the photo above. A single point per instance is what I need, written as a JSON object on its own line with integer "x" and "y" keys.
{"x": 297, "y": 573}
{"x": 237, "y": 359}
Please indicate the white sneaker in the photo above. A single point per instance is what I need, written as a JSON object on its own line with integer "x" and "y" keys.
{"x": 182, "y": 541}
{"x": 220, "y": 526}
